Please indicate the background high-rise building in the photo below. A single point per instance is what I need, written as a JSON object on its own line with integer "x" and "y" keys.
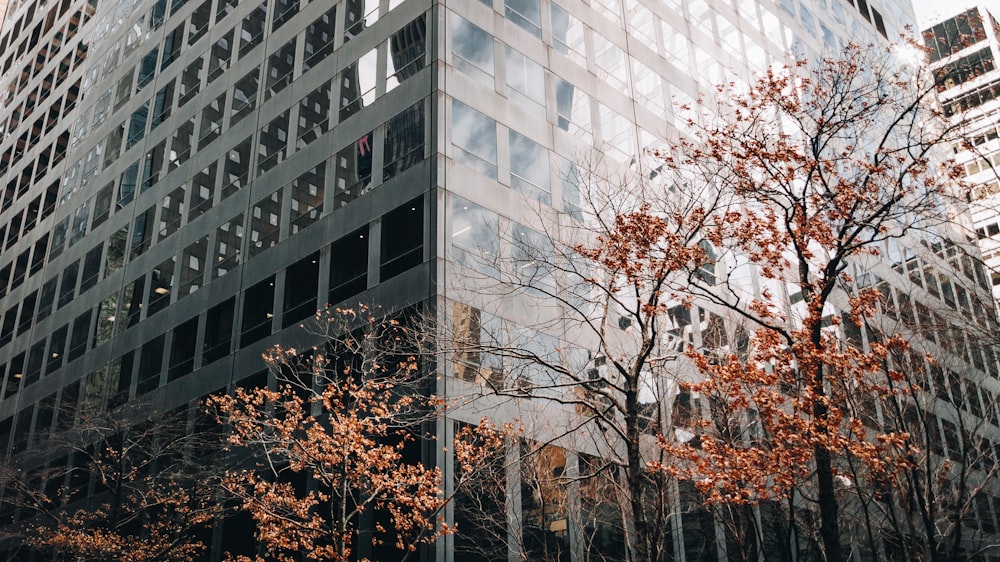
{"x": 963, "y": 51}
{"x": 182, "y": 182}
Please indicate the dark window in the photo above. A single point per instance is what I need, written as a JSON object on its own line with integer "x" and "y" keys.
{"x": 402, "y": 239}
{"x": 150, "y": 362}
{"x": 132, "y": 296}
{"x": 349, "y": 265}
{"x": 91, "y": 268}
{"x": 142, "y": 232}
{"x": 9, "y": 323}
{"x": 38, "y": 257}
{"x": 4, "y": 277}
{"x": 301, "y": 288}
{"x": 36, "y": 358}
{"x": 68, "y": 288}
{"x": 27, "y": 312}
{"x": 258, "y": 309}
{"x": 78, "y": 338}
{"x": 218, "y": 331}
{"x": 147, "y": 68}
{"x": 48, "y": 296}
{"x": 162, "y": 103}
{"x": 57, "y": 347}
{"x": 161, "y": 286}
{"x": 14, "y": 375}
{"x": 172, "y": 46}
{"x": 182, "y": 349}
{"x": 58, "y": 238}
{"x": 102, "y": 205}
{"x": 123, "y": 367}
{"x": 284, "y": 10}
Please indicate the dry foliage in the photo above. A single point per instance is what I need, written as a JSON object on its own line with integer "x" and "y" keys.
{"x": 339, "y": 440}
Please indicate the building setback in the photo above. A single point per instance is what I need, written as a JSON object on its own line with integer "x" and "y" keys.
{"x": 183, "y": 182}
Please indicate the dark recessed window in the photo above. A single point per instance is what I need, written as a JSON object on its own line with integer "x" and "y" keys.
{"x": 349, "y": 265}
{"x": 301, "y": 288}
{"x": 402, "y": 239}
{"x": 182, "y": 350}
{"x": 218, "y": 331}
{"x": 258, "y": 312}
{"x": 150, "y": 363}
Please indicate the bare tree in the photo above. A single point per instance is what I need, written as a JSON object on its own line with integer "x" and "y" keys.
{"x": 338, "y": 470}
{"x": 113, "y": 484}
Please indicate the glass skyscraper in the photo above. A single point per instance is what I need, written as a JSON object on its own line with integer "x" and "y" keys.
{"x": 183, "y": 182}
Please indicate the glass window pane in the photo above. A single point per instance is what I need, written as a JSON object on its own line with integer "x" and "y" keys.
{"x": 307, "y": 198}
{"x": 407, "y": 50}
{"x": 314, "y": 115}
{"x": 526, "y": 14}
{"x": 472, "y": 50}
{"x": 529, "y": 168}
{"x": 404, "y": 141}
{"x": 474, "y": 136}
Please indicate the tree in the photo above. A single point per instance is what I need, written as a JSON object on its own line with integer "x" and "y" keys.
{"x": 115, "y": 486}
{"x": 337, "y": 445}
{"x": 722, "y": 277}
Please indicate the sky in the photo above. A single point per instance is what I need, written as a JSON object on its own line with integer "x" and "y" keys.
{"x": 932, "y": 11}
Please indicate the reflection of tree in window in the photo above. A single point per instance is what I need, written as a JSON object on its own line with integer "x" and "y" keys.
{"x": 544, "y": 502}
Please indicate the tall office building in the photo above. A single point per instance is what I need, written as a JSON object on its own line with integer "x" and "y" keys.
{"x": 963, "y": 52}
{"x": 184, "y": 181}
